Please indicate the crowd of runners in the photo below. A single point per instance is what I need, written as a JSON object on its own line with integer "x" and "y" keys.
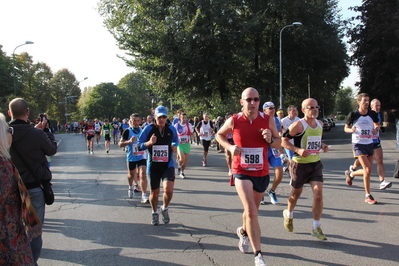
{"x": 252, "y": 141}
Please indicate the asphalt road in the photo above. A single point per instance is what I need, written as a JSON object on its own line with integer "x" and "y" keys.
{"x": 93, "y": 222}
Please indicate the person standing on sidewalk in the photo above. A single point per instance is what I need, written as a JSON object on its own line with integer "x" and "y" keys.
{"x": 33, "y": 143}
{"x": 352, "y": 172}
{"x": 253, "y": 132}
{"x": 161, "y": 141}
{"x": 306, "y": 166}
{"x": 363, "y": 124}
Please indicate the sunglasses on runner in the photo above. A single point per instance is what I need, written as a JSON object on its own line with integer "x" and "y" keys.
{"x": 312, "y": 107}
{"x": 256, "y": 99}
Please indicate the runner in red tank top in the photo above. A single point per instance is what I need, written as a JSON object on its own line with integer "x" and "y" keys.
{"x": 253, "y": 132}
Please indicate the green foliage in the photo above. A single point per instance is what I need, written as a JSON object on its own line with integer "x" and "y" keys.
{"x": 343, "y": 101}
{"x": 140, "y": 98}
{"x": 375, "y": 46}
{"x": 105, "y": 100}
{"x": 63, "y": 88}
{"x": 213, "y": 50}
{"x": 6, "y": 81}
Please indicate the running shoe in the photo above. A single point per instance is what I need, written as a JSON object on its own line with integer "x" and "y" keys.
{"x": 288, "y": 222}
{"x": 165, "y": 215}
{"x": 385, "y": 184}
{"x": 263, "y": 202}
{"x": 259, "y": 260}
{"x": 351, "y": 168}
{"x": 243, "y": 244}
{"x": 285, "y": 169}
{"x": 137, "y": 188}
{"x": 107, "y": 150}
{"x": 230, "y": 173}
{"x": 91, "y": 152}
{"x": 349, "y": 178}
{"x": 273, "y": 198}
{"x": 182, "y": 175}
{"x": 88, "y": 151}
{"x": 370, "y": 200}
{"x": 318, "y": 233}
{"x": 204, "y": 163}
{"x": 178, "y": 170}
{"x": 130, "y": 193}
{"x": 155, "y": 219}
{"x": 144, "y": 198}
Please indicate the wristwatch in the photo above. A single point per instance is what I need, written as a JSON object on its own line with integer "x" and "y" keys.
{"x": 272, "y": 140}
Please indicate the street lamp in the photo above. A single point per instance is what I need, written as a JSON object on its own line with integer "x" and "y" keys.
{"x": 281, "y": 65}
{"x": 13, "y": 57}
{"x": 76, "y": 83}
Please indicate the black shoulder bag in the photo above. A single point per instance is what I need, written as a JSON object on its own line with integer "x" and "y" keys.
{"x": 47, "y": 189}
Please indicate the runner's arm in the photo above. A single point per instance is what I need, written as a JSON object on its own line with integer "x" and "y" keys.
{"x": 276, "y": 143}
{"x": 221, "y": 137}
{"x": 349, "y": 121}
{"x": 295, "y": 129}
{"x": 124, "y": 141}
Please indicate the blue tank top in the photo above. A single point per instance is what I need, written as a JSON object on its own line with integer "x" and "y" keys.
{"x": 133, "y": 153}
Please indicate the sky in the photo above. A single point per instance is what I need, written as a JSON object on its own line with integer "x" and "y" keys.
{"x": 70, "y": 34}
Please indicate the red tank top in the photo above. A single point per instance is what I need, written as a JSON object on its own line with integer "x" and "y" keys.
{"x": 248, "y": 135}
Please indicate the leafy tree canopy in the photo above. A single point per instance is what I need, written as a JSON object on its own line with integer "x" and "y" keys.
{"x": 375, "y": 44}
{"x": 205, "y": 51}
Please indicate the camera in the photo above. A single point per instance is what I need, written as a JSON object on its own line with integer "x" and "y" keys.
{"x": 41, "y": 117}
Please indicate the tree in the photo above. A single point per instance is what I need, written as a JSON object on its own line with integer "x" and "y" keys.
{"x": 343, "y": 101}
{"x": 375, "y": 45}
{"x": 103, "y": 101}
{"x": 140, "y": 96}
{"x": 6, "y": 82}
{"x": 63, "y": 85}
{"x": 206, "y": 50}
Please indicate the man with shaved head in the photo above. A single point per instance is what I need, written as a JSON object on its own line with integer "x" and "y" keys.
{"x": 253, "y": 133}
{"x": 33, "y": 143}
{"x": 305, "y": 166}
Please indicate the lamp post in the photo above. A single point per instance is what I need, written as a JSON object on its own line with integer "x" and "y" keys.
{"x": 13, "y": 59}
{"x": 76, "y": 83}
{"x": 66, "y": 107}
{"x": 281, "y": 65}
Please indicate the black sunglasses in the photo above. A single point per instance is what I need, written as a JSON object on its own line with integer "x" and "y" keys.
{"x": 256, "y": 99}
{"x": 312, "y": 107}
{"x": 10, "y": 130}
{"x": 272, "y": 108}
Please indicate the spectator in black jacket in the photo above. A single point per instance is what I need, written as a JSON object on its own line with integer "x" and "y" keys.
{"x": 33, "y": 143}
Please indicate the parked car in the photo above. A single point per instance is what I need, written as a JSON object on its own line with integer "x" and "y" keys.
{"x": 326, "y": 125}
{"x": 331, "y": 121}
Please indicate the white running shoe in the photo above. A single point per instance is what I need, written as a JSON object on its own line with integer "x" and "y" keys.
{"x": 385, "y": 184}
{"x": 130, "y": 193}
{"x": 230, "y": 173}
{"x": 259, "y": 260}
{"x": 182, "y": 175}
{"x": 243, "y": 244}
{"x": 351, "y": 168}
{"x": 144, "y": 198}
